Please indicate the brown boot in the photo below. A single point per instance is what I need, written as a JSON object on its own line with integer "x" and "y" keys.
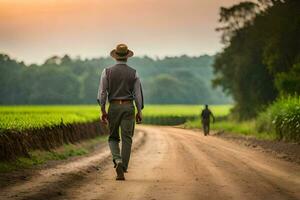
{"x": 120, "y": 172}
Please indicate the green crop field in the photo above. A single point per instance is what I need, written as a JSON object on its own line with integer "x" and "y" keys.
{"x": 183, "y": 110}
{"x": 178, "y": 114}
{"x": 31, "y": 117}
{"x": 34, "y": 122}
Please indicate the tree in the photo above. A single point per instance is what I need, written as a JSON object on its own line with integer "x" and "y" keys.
{"x": 65, "y": 80}
{"x": 261, "y": 48}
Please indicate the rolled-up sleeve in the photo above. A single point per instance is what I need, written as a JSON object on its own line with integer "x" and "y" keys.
{"x": 138, "y": 93}
{"x": 102, "y": 90}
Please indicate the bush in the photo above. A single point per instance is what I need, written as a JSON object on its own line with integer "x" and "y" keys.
{"x": 282, "y": 118}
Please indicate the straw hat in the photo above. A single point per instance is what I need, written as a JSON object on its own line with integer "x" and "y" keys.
{"x": 121, "y": 52}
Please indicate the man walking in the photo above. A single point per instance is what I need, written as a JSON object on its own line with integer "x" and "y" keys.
{"x": 205, "y": 118}
{"x": 121, "y": 85}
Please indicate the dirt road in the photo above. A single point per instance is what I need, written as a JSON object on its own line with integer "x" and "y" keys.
{"x": 168, "y": 163}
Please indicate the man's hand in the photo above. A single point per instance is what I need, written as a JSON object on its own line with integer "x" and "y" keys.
{"x": 139, "y": 118}
{"x": 104, "y": 117}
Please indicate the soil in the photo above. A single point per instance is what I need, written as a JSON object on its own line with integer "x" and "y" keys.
{"x": 166, "y": 163}
{"x": 284, "y": 150}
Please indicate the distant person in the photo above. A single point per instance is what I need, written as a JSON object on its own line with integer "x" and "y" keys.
{"x": 121, "y": 84}
{"x": 205, "y": 119}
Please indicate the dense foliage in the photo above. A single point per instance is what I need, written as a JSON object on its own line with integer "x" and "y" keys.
{"x": 176, "y": 80}
{"x": 261, "y": 57}
{"x": 282, "y": 118}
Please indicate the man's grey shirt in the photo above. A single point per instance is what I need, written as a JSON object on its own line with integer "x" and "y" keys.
{"x": 135, "y": 93}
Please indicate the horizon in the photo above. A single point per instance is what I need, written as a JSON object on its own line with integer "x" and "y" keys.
{"x": 78, "y": 57}
{"x": 34, "y": 30}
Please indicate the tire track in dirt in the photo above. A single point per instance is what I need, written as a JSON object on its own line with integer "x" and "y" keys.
{"x": 182, "y": 164}
{"x": 50, "y": 182}
{"x": 176, "y": 164}
{"x": 243, "y": 173}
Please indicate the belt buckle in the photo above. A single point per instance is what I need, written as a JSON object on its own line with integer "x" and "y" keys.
{"x": 120, "y": 102}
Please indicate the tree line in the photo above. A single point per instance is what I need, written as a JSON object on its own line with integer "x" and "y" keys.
{"x": 66, "y": 80}
{"x": 261, "y": 56}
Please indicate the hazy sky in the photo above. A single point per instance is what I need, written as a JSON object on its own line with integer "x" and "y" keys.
{"x": 33, "y": 30}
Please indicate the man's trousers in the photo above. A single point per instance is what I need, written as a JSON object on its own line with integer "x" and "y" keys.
{"x": 205, "y": 126}
{"x": 121, "y": 117}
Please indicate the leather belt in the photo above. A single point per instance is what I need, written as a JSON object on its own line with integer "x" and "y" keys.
{"x": 121, "y": 101}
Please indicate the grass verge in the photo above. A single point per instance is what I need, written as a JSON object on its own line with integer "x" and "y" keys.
{"x": 282, "y": 118}
{"x": 279, "y": 121}
{"x": 41, "y": 157}
{"x": 246, "y": 128}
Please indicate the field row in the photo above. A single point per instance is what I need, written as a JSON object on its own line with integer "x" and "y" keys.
{"x": 32, "y": 117}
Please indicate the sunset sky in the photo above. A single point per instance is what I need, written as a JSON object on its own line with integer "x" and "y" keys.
{"x": 33, "y": 30}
